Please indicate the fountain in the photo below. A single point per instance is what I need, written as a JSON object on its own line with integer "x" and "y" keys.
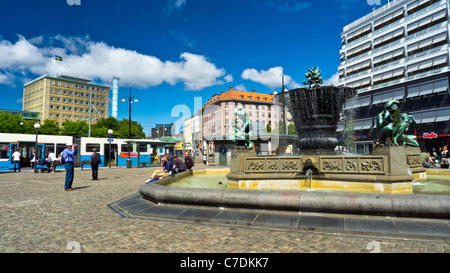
{"x": 295, "y": 183}
{"x": 391, "y": 168}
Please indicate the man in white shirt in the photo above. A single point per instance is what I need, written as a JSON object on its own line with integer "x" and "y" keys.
{"x": 52, "y": 160}
{"x": 16, "y": 159}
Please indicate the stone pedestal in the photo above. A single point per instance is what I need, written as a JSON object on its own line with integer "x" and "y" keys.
{"x": 238, "y": 154}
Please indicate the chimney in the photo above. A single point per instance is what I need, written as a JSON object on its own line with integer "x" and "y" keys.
{"x": 254, "y": 91}
{"x": 231, "y": 88}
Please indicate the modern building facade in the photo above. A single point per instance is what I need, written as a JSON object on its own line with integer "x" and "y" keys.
{"x": 399, "y": 51}
{"x": 65, "y": 97}
{"x": 162, "y": 131}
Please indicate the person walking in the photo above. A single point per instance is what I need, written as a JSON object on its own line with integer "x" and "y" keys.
{"x": 16, "y": 158}
{"x": 68, "y": 156}
{"x": 95, "y": 161}
{"x": 33, "y": 160}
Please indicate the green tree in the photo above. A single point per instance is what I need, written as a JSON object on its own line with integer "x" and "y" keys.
{"x": 268, "y": 128}
{"x": 100, "y": 129}
{"x": 75, "y": 128}
{"x": 349, "y": 134}
{"x": 291, "y": 129}
{"x": 137, "y": 131}
{"x": 49, "y": 127}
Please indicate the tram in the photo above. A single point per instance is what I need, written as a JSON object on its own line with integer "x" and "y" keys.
{"x": 138, "y": 152}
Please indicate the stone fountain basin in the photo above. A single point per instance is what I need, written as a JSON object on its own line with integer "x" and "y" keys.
{"x": 405, "y": 205}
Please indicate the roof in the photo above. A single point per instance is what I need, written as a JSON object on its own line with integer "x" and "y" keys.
{"x": 244, "y": 96}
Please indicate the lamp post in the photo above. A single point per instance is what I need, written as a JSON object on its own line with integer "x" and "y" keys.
{"x": 109, "y": 139}
{"x": 36, "y": 126}
{"x": 130, "y": 101}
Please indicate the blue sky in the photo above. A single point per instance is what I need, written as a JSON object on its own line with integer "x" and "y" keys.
{"x": 170, "y": 51}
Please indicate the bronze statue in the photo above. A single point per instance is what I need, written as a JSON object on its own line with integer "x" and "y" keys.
{"x": 241, "y": 127}
{"x": 393, "y": 124}
{"x": 314, "y": 77}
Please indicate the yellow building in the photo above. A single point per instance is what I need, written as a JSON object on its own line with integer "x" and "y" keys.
{"x": 66, "y": 97}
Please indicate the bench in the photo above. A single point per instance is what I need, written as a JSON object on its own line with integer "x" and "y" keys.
{"x": 144, "y": 164}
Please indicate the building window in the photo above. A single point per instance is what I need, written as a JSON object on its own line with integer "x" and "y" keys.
{"x": 58, "y": 107}
{"x": 51, "y": 106}
{"x": 57, "y": 115}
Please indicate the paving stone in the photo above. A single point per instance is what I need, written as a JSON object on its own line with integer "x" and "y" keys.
{"x": 38, "y": 216}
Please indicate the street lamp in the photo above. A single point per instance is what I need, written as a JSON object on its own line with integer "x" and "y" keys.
{"x": 130, "y": 101}
{"x": 109, "y": 139}
{"x": 36, "y": 126}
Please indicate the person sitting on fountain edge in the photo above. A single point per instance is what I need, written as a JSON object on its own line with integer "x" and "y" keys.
{"x": 178, "y": 165}
{"x": 188, "y": 161}
{"x": 164, "y": 172}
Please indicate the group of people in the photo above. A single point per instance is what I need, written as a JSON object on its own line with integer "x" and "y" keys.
{"x": 67, "y": 158}
{"x": 169, "y": 168}
{"x": 439, "y": 156}
{"x": 50, "y": 161}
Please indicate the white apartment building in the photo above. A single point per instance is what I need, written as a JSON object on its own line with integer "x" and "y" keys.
{"x": 399, "y": 51}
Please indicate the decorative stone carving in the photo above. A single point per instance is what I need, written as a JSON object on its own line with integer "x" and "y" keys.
{"x": 272, "y": 165}
{"x": 371, "y": 165}
{"x": 351, "y": 165}
{"x": 256, "y": 165}
{"x": 289, "y": 165}
{"x": 413, "y": 160}
{"x": 330, "y": 165}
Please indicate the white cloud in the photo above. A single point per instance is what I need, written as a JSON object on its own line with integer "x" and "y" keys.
{"x": 240, "y": 87}
{"x": 270, "y": 78}
{"x": 228, "y": 78}
{"x": 99, "y": 60}
{"x": 333, "y": 80}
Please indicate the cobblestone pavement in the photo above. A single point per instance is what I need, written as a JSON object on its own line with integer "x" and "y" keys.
{"x": 37, "y": 215}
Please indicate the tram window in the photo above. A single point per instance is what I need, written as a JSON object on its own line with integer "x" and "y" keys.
{"x": 49, "y": 147}
{"x": 60, "y": 148}
{"x": 4, "y": 150}
{"x": 91, "y": 146}
{"x": 125, "y": 148}
{"x": 143, "y": 148}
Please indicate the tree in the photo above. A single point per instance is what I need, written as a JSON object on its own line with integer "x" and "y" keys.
{"x": 137, "y": 131}
{"x": 291, "y": 129}
{"x": 268, "y": 128}
{"x": 349, "y": 134}
{"x": 75, "y": 128}
{"x": 100, "y": 129}
{"x": 49, "y": 127}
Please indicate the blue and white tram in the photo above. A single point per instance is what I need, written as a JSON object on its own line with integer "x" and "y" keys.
{"x": 25, "y": 143}
{"x": 139, "y": 151}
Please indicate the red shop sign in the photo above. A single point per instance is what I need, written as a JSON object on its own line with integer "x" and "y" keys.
{"x": 430, "y": 135}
